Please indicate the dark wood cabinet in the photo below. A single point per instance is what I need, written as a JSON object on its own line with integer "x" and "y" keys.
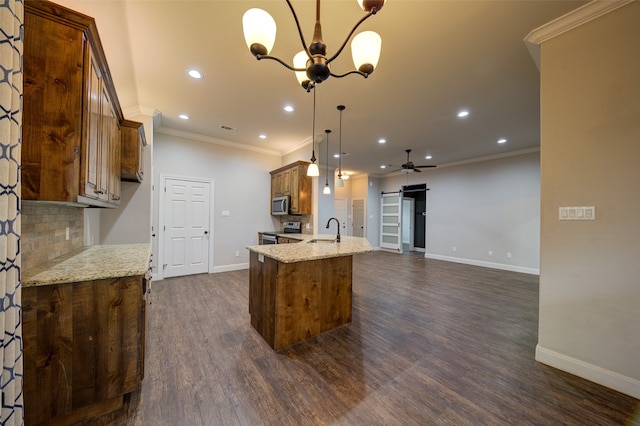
{"x": 292, "y": 180}
{"x": 133, "y": 143}
{"x": 83, "y": 347}
{"x": 71, "y": 119}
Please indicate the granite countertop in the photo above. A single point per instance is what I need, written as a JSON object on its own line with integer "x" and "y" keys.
{"x": 304, "y": 250}
{"x": 92, "y": 263}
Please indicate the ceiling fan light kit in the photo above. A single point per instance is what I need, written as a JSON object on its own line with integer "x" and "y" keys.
{"x": 311, "y": 65}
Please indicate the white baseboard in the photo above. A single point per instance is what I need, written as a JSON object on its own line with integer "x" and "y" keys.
{"x": 505, "y": 267}
{"x": 599, "y": 375}
{"x": 228, "y": 268}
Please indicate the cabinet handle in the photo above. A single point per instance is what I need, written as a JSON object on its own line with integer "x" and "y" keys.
{"x": 115, "y": 198}
{"x": 99, "y": 191}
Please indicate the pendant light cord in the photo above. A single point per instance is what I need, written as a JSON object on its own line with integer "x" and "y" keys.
{"x": 313, "y": 129}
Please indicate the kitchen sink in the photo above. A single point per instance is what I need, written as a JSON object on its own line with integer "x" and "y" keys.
{"x": 321, "y": 240}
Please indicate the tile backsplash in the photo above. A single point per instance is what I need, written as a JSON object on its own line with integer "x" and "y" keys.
{"x": 44, "y": 232}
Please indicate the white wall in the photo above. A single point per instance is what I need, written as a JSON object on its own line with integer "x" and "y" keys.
{"x": 242, "y": 186}
{"x": 131, "y": 222}
{"x": 482, "y": 206}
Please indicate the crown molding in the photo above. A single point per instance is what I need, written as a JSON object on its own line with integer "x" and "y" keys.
{"x": 567, "y": 22}
{"x": 221, "y": 142}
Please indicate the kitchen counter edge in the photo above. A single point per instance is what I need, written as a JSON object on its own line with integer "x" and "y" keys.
{"x": 305, "y": 251}
{"x": 92, "y": 263}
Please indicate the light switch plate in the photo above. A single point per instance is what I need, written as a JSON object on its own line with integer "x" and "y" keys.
{"x": 577, "y": 213}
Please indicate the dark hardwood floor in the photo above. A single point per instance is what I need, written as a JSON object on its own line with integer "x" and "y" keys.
{"x": 431, "y": 343}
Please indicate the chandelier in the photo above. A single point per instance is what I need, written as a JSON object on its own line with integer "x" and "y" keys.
{"x": 311, "y": 65}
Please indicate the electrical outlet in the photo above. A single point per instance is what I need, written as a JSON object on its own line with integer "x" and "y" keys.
{"x": 454, "y": 248}
{"x": 490, "y": 253}
{"x": 508, "y": 255}
{"x": 66, "y": 233}
{"x": 237, "y": 253}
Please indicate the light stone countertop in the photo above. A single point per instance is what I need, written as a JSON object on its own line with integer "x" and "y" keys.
{"x": 304, "y": 250}
{"x": 92, "y": 263}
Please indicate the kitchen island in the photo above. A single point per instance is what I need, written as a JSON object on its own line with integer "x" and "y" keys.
{"x": 300, "y": 290}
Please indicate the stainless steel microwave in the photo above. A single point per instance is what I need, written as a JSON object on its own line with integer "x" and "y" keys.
{"x": 280, "y": 205}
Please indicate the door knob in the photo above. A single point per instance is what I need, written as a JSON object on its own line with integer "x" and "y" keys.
{"x": 206, "y": 232}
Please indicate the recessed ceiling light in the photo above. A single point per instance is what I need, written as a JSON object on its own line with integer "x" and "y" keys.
{"x": 336, "y": 155}
{"x": 194, "y": 74}
{"x": 503, "y": 140}
{"x": 428, "y": 157}
{"x": 289, "y": 108}
{"x": 382, "y": 140}
{"x": 383, "y": 166}
{"x": 463, "y": 113}
{"x": 184, "y": 116}
{"x": 262, "y": 136}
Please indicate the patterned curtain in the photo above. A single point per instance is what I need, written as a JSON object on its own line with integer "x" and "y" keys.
{"x": 11, "y": 21}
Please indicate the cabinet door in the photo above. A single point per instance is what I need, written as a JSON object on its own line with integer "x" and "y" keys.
{"x": 114, "y": 163}
{"x": 286, "y": 182}
{"x": 294, "y": 182}
{"x": 104, "y": 140}
{"x": 93, "y": 121}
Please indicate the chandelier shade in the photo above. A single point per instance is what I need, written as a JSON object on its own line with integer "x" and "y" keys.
{"x": 259, "y": 31}
{"x": 311, "y": 65}
{"x": 365, "y": 50}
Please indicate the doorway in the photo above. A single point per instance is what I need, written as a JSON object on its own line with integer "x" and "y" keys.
{"x": 186, "y": 240}
{"x": 418, "y": 194}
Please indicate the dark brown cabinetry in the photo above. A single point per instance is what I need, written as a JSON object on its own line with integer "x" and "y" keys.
{"x": 83, "y": 347}
{"x": 71, "y": 120}
{"x": 292, "y": 180}
{"x": 133, "y": 143}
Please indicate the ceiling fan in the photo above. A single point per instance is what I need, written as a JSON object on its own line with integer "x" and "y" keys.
{"x": 410, "y": 167}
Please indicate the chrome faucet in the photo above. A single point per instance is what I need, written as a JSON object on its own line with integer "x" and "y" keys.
{"x": 338, "y": 223}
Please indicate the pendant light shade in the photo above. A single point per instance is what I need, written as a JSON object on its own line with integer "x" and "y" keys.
{"x": 300, "y": 61}
{"x": 368, "y": 5}
{"x": 365, "y": 50}
{"x": 259, "y": 31}
{"x": 313, "y": 170}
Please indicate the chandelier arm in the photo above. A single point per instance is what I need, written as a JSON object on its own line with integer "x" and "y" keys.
{"x": 283, "y": 63}
{"x": 365, "y": 75}
{"x": 304, "y": 43}
{"x": 346, "y": 40}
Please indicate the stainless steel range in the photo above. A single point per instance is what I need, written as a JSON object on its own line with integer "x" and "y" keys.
{"x": 292, "y": 227}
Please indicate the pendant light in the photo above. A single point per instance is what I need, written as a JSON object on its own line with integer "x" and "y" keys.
{"x": 313, "y": 170}
{"x": 327, "y": 188}
{"x": 339, "y": 181}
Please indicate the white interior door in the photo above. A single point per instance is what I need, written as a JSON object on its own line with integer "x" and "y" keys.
{"x": 340, "y": 209}
{"x": 186, "y": 227}
{"x": 391, "y": 222}
{"x": 358, "y": 211}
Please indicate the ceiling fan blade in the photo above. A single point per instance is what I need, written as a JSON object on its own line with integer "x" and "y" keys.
{"x": 417, "y": 170}
{"x": 424, "y": 167}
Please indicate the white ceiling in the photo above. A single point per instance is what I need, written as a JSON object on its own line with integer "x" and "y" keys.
{"x": 438, "y": 57}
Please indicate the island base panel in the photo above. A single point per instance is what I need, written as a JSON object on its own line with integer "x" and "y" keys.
{"x": 291, "y": 302}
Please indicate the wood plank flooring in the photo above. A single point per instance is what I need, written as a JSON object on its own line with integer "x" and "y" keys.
{"x": 431, "y": 343}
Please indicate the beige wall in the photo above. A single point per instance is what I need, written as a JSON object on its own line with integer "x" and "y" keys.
{"x": 590, "y": 156}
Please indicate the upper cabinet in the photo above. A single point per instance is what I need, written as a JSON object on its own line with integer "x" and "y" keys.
{"x": 71, "y": 121}
{"x": 133, "y": 143}
{"x": 292, "y": 180}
